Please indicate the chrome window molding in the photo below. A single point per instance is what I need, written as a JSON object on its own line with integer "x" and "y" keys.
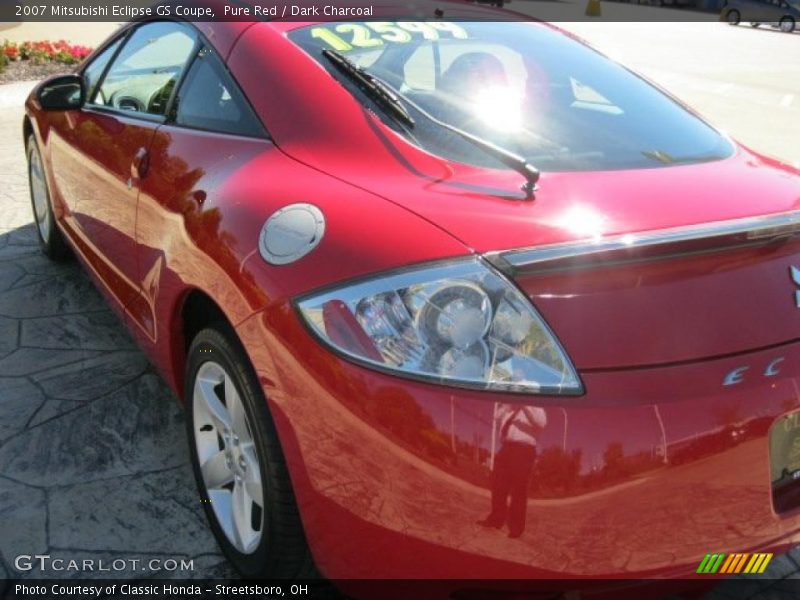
{"x": 704, "y": 236}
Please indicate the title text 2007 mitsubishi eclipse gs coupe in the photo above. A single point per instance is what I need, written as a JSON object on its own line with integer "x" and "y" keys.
{"x": 442, "y": 299}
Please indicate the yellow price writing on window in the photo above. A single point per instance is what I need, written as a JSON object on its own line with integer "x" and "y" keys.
{"x": 345, "y": 37}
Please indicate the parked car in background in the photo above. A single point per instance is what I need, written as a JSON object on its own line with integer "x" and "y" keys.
{"x": 675, "y": 3}
{"x": 784, "y": 13}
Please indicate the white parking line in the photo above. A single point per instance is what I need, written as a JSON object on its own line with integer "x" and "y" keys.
{"x": 787, "y": 100}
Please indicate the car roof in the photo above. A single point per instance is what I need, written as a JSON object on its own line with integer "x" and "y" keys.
{"x": 223, "y": 34}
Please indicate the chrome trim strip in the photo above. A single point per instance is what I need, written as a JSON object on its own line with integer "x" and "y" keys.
{"x": 751, "y": 229}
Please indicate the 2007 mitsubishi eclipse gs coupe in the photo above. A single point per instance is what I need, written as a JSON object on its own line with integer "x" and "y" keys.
{"x": 443, "y": 299}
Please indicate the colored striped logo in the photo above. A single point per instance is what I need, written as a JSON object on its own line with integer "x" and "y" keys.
{"x": 734, "y": 563}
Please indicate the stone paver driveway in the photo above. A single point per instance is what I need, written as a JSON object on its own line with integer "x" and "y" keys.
{"x": 93, "y": 453}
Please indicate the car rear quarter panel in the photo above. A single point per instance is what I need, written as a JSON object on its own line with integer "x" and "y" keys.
{"x": 201, "y": 211}
{"x": 317, "y": 121}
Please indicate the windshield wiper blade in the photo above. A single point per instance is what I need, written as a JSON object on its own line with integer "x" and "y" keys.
{"x": 370, "y": 85}
{"x": 507, "y": 157}
{"x": 389, "y": 97}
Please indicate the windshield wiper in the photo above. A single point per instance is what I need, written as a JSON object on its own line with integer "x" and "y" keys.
{"x": 389, "y": 97}
{"x": 370, "y": 85}
{"x": 510, "y": 159}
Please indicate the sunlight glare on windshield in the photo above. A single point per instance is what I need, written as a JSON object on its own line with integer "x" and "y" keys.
{"x": 499, "y": 107}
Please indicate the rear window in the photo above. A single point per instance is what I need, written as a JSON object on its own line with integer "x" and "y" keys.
{"x": 525, "y": 87}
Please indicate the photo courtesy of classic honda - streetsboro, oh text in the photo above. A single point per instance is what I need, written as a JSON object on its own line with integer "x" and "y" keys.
{"x": 455, "y": 298}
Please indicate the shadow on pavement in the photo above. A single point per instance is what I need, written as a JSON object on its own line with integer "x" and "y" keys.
{"x": 93, "y": 452}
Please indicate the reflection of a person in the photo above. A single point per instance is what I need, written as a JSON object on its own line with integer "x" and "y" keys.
{"x": 518, "y": 427}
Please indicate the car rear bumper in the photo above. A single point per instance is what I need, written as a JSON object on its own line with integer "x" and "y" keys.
{"x": 645, "y": 474}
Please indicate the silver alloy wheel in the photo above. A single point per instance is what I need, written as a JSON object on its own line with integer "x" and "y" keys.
{"x": 787, "y": 25}
{"x": 39, "y": 195}
{"x": 227, "y": 456}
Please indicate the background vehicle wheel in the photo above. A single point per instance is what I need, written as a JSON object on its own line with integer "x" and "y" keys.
{"x": 51, "y": 240}
{"x": 238, "y": 462}
{"x": 734, "y": 17}
{"x": 787, "y": 24}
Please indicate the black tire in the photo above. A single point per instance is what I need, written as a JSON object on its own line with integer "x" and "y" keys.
{"x": 787, "y": 24}
{"x": 51, "y": 239}
{"x": 282, "y": 551}
{"x": 733, "y": 17}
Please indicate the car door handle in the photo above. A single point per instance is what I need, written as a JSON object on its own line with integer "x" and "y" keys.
{"x": 140, "y": 164}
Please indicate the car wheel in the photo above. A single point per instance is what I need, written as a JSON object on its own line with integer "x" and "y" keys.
{"x": 787, "y": 24}
{"x": 238, "y": 462}
{"x": 734, "y": 17}
{"x": 51, "y": 240}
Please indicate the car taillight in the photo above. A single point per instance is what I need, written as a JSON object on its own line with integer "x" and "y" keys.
{"x": 458, "y": 323}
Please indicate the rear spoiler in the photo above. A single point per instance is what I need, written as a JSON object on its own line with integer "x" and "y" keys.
{"x": 650, "y": 245}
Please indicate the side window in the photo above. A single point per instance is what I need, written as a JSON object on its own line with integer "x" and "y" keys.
{"x": 209, "y": 99}
{"x": 94, "y": 71}
{"x": 145, "y": 72}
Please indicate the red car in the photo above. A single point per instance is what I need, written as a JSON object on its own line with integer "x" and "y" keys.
{"x": 442, "y": 299}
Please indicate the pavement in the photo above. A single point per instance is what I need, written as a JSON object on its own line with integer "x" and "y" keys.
{"x": 82, "y": 478}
